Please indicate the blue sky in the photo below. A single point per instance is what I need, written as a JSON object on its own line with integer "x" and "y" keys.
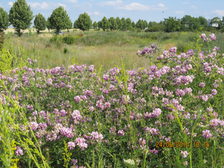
{"x": 150, "y": 10}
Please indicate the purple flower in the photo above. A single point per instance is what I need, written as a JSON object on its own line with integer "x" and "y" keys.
{"x": 202, "y": 84}
{"x": 67, "y": 132}
{"x": 77, "y": 99}
{"x": 214, "y": 122}
{"x": 207, "y": 134}
{"x": 34, "y": 125}
{"x": 71, "y": 145}
{"x": 156, "y": 112}
{"x": 153, "y": 151}
{"x": 81, "y": 142}
{"x": 121, "y": 132}
{"x": 212, "y": 37}
{"x": 19, "y": 151}
{"x": 76, "y": 116}
{"x": 96, "y": 136}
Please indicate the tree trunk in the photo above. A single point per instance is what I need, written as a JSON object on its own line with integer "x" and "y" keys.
{"x": 19, "y": 32}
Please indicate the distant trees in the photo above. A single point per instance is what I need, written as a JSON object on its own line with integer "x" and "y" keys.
{"x": 172, "y": 24}
{"x": 59, "y": 20}
{"x": 104, "y": 24}
{"x": 40, "y": 23}
{"x": 4, "y": 20}
{"x": 20, "y": 16}
{"x": 84, "y": 22}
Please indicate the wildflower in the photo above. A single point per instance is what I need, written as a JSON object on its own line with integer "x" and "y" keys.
{"x": 121, "y": 132}
{"x": 19, "y": 151}
{"x": 153, "y": 151}
{"x": 81, "y": 142}
{"x": 214, "y": 122}
{"x": 212, "y": 37}
{"x": 96, "y": 136}
{"x": 71, "y": 145}
{"x": 184, "y": 154}
{"x": 77, "y": 99}
{"x": 34, "y": 126}
{"x": 206, "y": 134}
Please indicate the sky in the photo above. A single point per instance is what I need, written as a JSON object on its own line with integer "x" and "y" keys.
{"x": 150, "y": 10}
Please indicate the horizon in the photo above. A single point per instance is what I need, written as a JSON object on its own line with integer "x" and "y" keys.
{"x": 133, "y": 9}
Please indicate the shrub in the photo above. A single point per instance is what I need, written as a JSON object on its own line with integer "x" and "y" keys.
{"x": 68, "y": 39}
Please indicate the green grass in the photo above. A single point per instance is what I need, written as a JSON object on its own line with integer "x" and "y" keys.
{"x": 106, "y": 49}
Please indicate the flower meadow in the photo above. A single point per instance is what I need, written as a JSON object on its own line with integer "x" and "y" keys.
{"x": 167, "y": 115}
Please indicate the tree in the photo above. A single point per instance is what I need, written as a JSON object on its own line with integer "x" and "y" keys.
{"x": 104, "y": 24}
{"x": 154, "y": 27}
{"x": 4, "y": 20}
{"x": 40, "y": 23}
{"x": 95, "y": 25}
{"x": 119, "y": 24}
{"x": 171, "y": 24}
{"x": 20, "y": 16}
{"x": 59, "y": 19}
{"x": 84, "y": 22}
{"x": 128, "y": 24}
{"x": 216, "y": 22}
{"x": 112, "y": 23}
{"x": 141, "y": 24}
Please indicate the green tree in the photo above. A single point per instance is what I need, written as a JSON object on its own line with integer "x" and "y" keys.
{"x": 20, "y": 16}
{"x": 40, "y": 23}
{"x": 128, "y": 24}
{"x": 59, "y": 19}
{"x": 141, "y": 24}
{"x": 112, "y": 23}
{"x": 154, "y": 27}
{"x": 172, "y": 24}
{"x": 95, "y": 25}
{"x": 104, "y": 24}
{"x": 119, "y": 24}
{"x": 84, "y": 22}
{"x": 4, "y": 20}
{"x": 216, "y": 22}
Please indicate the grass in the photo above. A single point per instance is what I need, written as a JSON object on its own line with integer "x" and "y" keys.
{"x": 103, "y": 49}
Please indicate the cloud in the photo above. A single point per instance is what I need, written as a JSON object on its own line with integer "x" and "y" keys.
{"x": 179, "y": 12}
{"x": 135, "y": 7}
{"x": 112, "y": 3}
{"x": 10, "y": 3}
{"x": 73, "y": 1}
{"x": 219, "y": 12}
{"x": 40, "y": 5}
{"x": 96, "y": 13}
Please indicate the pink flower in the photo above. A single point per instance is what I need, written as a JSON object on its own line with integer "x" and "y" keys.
{"x": 19, "y": 151}
{"x": 121, "y": 132}
{"x": 212, "y": 37}
{"x": 71, "y": 145}
{"x": 96, "y": 136}
{"x": 207, "y": 134}
{"x": 81, "y": 142}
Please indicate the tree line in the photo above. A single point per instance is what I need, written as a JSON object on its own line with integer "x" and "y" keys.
{"x": 20, "y": 17}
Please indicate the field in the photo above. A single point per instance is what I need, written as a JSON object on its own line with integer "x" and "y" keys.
{"x": 112, "y": 99}
{"x": 106, "y": 49}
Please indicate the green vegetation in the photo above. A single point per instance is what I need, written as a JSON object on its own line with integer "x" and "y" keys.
{"x": 4, "y": 20}
{"x": 59, "y": 20}
{"x": 20, "y": 16}
{"x": 40, "y": 23}
{"x": 84, "y": 22}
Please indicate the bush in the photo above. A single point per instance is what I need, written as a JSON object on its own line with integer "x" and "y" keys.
{"x": 68, "y": 39}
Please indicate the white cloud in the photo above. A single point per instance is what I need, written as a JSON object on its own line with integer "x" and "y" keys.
{"x": 219, "y": 12}
{"x": 10, "y": 3}
{"x": 39, "y": 5}
{"x": 113, "y": 3}
{"x": 73, "y": 1}
{"x": 135, "y": 7}
{"x": 179, "y": 12}
{"x": 96, "y": 13}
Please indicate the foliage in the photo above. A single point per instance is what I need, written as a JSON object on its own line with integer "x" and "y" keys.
{"x": 59, "y": 19}
{"x": 84, "y": 22}
{"x": 4, "y": 19}
{"x": 20, "y": 16}
{"x": 40, "y": 23}
{"x": 172, "y": 24}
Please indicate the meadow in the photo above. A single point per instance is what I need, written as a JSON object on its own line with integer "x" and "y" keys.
{"x": 112, "y": 99}
{"x": 106, "y": 49}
